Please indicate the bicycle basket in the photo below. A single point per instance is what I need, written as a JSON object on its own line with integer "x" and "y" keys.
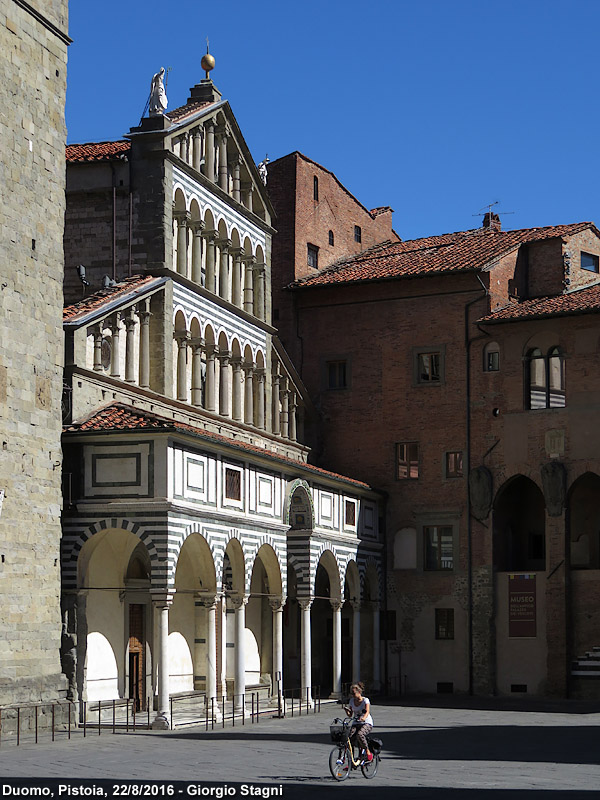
{"x": 375, "y": 744}
{"x": 339, "y": 733}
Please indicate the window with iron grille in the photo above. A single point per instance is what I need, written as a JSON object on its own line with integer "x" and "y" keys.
{"x": 444, "y": 623}
{"x": 233, "y": 484}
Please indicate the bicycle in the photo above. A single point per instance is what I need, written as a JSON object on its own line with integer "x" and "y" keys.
{"x": 341, "y": 758}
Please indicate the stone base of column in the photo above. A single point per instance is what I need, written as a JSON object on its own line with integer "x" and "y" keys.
{"x": 161, "y": 722}
{"x": 215, "y": 714}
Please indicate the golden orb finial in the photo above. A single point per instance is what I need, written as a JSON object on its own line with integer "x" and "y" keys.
{"x": 208, "y": 61}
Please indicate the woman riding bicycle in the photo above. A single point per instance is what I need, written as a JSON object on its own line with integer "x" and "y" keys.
{"x": 360, "y": 708}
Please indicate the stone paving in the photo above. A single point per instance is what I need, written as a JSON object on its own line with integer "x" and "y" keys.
{"x": 429, "y": 752}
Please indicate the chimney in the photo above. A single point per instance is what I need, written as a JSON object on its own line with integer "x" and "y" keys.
{"x": 492, "y": 221}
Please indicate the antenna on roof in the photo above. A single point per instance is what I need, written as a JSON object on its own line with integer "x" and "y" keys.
{"x": 491, "y": 219}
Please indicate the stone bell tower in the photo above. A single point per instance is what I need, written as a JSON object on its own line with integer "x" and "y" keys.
{"x": 33, "y": 62}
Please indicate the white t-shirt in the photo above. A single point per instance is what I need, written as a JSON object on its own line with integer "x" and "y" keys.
{"x": 358, "y": 709}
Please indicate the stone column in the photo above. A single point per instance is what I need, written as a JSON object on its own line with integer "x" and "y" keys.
{"x": 130, "y": 323}
{"x": 305, "y": 651}
{"x": 260, "y": 398}
{"x": 211, "y": 281}
{"x": 336, "y": 605}
{"x": 144, "y": 355}
{"x": 249, "y": 190}
{"x": 259, "y": 292}
{"x": 162, "y": 604}
{"x": 210, "y": 620}
{"x": 98, "y": 349}
{"x": 285, "y": 403}
{"x": 276, "y": 423}
{"x": 196, "y": 149}
{"x": 197, "y": 227}
{"x": 223, "y": 174}
{"x": 182, "y": 218}
{"x": 236, "y": 410}
{"x": 239, "y": 679}
{"x": 277, "y": 604}
{"x": 197, "y": 346}
{"x": 209, "y": 153}
{"x": 199, "y": 656}
{"x": 224, "y": 290}
{"x": 115, "y": 367}
{"x": 376, "y": 648}
{"x": 249, "y": 284}
{"x": 293, "y": 408}
{"x": 235, "y": 166}
{"x": 210, "y": 400}
{"x": 182, "y": 337}
{"x": 236, "y": 279}
{"x": 224, "y": 406}
{"x": 248, "y": 393}
{"x": 355, "y": 641}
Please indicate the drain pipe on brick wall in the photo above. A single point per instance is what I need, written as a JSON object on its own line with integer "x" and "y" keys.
{"x": 468, "y": 342}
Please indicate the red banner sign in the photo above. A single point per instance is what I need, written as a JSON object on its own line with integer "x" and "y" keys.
{"x": 521, "y": 606}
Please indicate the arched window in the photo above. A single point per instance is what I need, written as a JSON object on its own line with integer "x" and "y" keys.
{"x": 491, "y": 357}
{"x": 546, "y": 378}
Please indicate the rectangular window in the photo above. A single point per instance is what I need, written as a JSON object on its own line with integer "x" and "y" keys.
{"x": 350, "y": 515}
{"x": 492, "y": 363}
{"x": 336, "y": 375}
{"x": 407, "y": 459}
{"x": 316, "y": 188}
{"x": 313, "y": 256}
{"x": 444, "y": 623}
{"x": 428, "y": 367}
{"x": 589, "y": 262}
{"x": 454, "y": 464}
{"x": 357, "y": 233}
{"x": 439, "y": 547}
{"x": 233, "y": 484}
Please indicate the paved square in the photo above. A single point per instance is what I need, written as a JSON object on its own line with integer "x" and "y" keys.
{"x": 429, "y": 752}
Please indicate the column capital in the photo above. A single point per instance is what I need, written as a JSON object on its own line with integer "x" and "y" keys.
{"x": 261, "y": 374}
{"x": 355, "y": 605}
{"x": 259, "y": 267}
{"x": 210, "y": 234}
{"x": 336, "y": 603}
{"x": 237, "y": 251}
{"x": 224, "y": 243}
{"x": 208, "y": 601}
{"x": 277, "y": 603}
{"x": 196, "y": 342}
{"x": 197, "y": 226}
{"x": 161, "y": 598}
{"x": 305, "y": 602}
{"x": 238, "y": 601}
{"x": 143, "y": 313}
{"x": 182, "y": 216}
{"x": 210, "y": 348}
{"x": 236, "y": 362}
{"x": 114, "y": 321}
{"x": 249, "y": 259}
{"x": 224, "y": 356}
{"x": 235, "y": 160}
{"x": 248, "y": 367}
{"x": 181, "y": 337}
{"x": 210, "y": 123}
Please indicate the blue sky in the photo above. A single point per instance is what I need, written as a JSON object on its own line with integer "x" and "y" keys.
{"x": 435, "y": 108}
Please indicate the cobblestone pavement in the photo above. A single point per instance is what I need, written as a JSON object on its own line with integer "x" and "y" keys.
{"x": 429, "y": 752}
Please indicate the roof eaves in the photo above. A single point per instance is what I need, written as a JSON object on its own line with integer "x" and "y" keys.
{"x": 85, "y": 318}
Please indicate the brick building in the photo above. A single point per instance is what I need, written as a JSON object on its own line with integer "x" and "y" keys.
{"x": 471, "y": 360}
{"x": 318, "y": 222}
{"x": 33, "y": 56}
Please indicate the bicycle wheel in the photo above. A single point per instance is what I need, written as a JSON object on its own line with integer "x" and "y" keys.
{"x": 339, "y": 763}
{"x": 369, "y": 768}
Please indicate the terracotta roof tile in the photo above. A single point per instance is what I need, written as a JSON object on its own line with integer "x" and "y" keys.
{"x": 579, "y": 301}
{"x": 121, "y": 417}
{"x": 179, "y": 114}
{"x": 451, "y": 252}
{"x": 98, "y": 299}
{"x": 97, "y": 151}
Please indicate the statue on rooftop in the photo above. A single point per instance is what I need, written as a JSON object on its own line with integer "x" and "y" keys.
{"x": 158, "y": 97}
{"x": 262, "y": 169}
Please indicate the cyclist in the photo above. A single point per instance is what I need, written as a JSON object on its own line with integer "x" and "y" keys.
{"x": 359, "y": 707}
